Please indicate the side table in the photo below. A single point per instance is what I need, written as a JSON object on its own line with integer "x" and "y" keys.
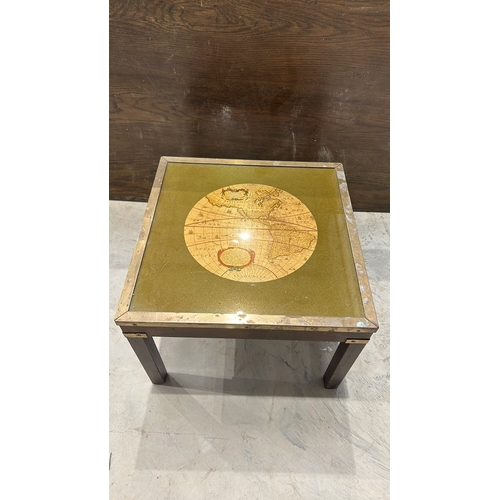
{"x": 248, "y": 250}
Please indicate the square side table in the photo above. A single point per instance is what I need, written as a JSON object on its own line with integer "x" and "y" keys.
{"x": 250, "y": 250}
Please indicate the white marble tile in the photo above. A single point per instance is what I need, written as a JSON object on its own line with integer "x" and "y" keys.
{"x": 249, "y": 419}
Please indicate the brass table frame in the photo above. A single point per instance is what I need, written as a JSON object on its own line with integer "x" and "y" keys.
{"x": 139, "y": 327}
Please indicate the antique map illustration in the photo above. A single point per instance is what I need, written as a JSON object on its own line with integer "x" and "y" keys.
{"x": 250, "y": 233}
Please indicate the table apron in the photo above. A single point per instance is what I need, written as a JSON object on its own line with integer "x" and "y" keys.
{"x": 248, "y": 333}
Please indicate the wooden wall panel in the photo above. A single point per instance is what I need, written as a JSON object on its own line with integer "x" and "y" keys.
{"x": 291, "y": 80}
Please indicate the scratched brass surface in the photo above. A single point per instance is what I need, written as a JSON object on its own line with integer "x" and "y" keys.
{"x": 170, "y": 280}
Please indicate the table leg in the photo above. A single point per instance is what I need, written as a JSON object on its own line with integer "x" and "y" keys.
{"x": 150, "y": 358}
{"x": 343, "y": 359}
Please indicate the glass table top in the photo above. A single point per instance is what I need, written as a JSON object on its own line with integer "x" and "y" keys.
{"x": 248, "y": 239}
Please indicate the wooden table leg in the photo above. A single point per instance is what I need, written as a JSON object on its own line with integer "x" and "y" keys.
{"x": 343, "y": 359}
{"x": 150, "y": 358}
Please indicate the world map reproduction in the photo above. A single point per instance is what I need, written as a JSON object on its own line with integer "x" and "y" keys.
{"x": 250, "y": 233}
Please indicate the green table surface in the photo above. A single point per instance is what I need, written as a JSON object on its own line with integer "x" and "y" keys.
{"x": 170, "y": 279}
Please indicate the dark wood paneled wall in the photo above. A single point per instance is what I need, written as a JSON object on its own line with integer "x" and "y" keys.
{"x": 300, "y": 80}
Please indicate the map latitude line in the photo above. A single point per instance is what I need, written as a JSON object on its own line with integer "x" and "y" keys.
{"x": 230, "y": 239}
{"x": 279, "y": 234}
{"x": 222, "y": 218}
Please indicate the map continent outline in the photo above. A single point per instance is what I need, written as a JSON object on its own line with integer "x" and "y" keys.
{"x": 250, "y": 233}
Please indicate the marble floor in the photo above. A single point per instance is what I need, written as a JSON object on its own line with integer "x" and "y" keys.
{"x": 248, "y": 419}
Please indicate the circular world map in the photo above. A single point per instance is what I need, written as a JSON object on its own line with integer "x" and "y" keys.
{"x": 250, "y": 233}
